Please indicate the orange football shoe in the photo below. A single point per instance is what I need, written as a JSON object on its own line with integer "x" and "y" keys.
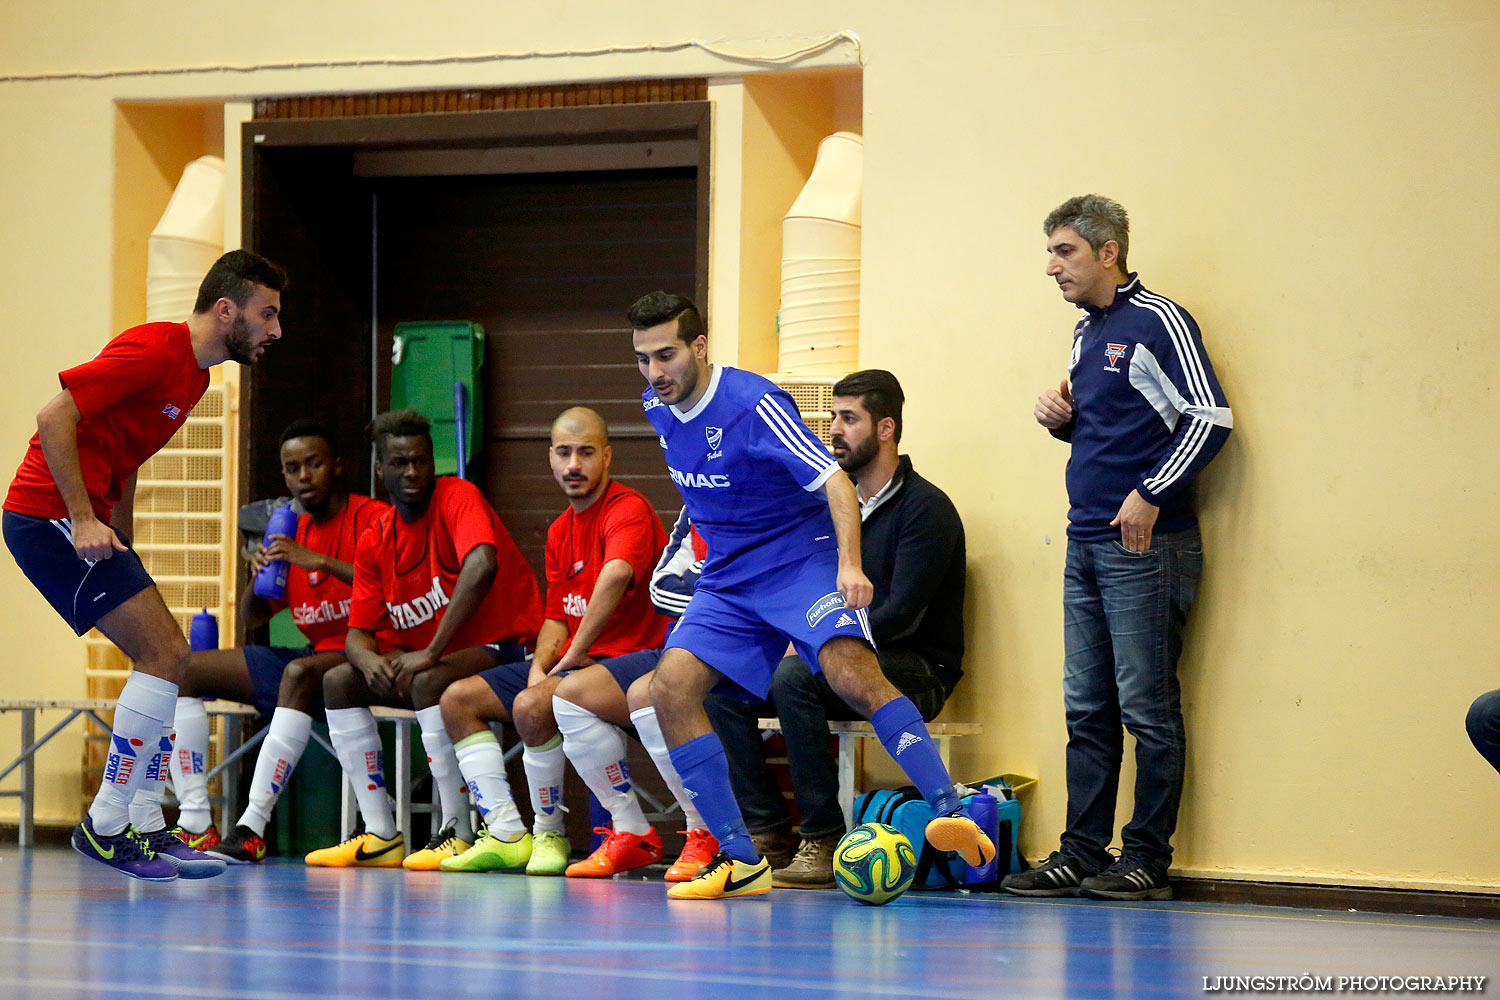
{"x": 620, "y": 852}
{"x": 697, "y": 852}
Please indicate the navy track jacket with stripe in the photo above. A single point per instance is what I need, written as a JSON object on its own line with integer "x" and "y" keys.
{"x": 1148, "y": 412}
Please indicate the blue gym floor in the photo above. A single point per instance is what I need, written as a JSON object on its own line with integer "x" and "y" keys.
{"x": 70, "y": 928}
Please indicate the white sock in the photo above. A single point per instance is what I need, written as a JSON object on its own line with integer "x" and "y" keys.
{"x": 357, "y": 742}
{"x": 145, "y": 809}
{"x": 279, "y": 752}
{"x": 482, "y": 764}
{"x": 443, "y": 763}
{"x": 544, "y": 773}
{"x": 190, "y": 765}
{"x": 144, "y": 708}
{"x": 597, "y": 751}
{"x": 649, "y": 730}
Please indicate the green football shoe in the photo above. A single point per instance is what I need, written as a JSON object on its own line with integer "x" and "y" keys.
{"x": 549, "y": 856}
{"x": 491, "y": 854}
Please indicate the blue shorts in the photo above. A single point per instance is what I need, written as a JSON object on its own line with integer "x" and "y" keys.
{"x": 742, "y": 631}
{"x": 81, "y": 592}
{"x": 509, "y": 679}
{"x": 266, "y": 664}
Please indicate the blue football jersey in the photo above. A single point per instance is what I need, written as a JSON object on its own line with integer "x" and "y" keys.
{"x": 749, "y": 471}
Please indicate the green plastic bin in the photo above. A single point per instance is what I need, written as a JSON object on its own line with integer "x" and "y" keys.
{"x": 427, "y": 358}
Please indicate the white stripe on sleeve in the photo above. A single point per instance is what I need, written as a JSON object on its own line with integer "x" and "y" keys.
{"x": 794, "y": 434}
{"x": 1187, "y": 354}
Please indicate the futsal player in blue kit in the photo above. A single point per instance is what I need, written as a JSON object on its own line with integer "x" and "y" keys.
{"x": 782, "y": 529}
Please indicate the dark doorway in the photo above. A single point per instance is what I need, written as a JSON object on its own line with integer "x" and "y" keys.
{"x": 546, "y": 263}
{"x": 541, "y": 225}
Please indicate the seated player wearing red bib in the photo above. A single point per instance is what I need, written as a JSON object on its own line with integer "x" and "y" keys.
{"x": 588, "y": 714}
{"x": 602, "y": 632}
{"x": 68, "y": 520}
{"x": 440, "y": 592}
{"x": 283, "y": 682}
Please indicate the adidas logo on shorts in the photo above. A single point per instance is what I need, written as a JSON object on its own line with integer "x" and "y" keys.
{"x": 843, "y": 620}
{"x": 907, "y": 739}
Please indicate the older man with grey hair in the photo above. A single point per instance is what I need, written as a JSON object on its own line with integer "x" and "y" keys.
{"x": 1144, "y": 414}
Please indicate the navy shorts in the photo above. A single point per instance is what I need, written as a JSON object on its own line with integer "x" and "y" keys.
{"x": 742, "y": 631}
{"x": 266, "y": 665}
{"x": 81, "y": 592}
{"x": 631, "y": 667}
{"x": 505, "y": 652}
{"x": 509, "y": 679}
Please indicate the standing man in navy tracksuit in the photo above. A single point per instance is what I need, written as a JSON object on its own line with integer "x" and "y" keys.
{"x": 1144, "y": 414}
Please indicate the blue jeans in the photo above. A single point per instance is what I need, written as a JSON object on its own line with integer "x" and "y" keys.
{"x": 1123, "y": 615}
{"x": 805, "y": 702}
{"x": 1484, "y": 726}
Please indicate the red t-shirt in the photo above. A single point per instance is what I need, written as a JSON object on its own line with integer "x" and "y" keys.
{"x": 620, "y": 524}
{"x": 320, "y": 601}
{"x": 133, "y": 395}
{"x": 404, "y": 574}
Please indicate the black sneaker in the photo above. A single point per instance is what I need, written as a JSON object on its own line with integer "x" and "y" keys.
{"x": 1059, "y": 875}
{"x": 242, "y": 847}
{"x": 1128, "y": 879}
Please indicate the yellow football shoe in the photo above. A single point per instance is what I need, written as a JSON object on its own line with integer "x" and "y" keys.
{"x": 491, "y": 854}
{"x": 724, "y": 878}
{"x": 960, "y": 834}
{"x": 444, "y": 844}
{"x": 362, "y": 851}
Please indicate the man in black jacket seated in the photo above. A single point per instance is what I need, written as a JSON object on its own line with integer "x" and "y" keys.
{"x": 912, "y": 543}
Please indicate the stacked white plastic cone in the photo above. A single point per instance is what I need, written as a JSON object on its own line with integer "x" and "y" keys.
{"x": 820, "y": 260}
{"x": 186, "y": 241}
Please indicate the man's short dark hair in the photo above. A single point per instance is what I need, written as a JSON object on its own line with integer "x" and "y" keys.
{"x": 878, "y": 392}
{"x": 234, "y": 277}
{"x": 306, "y": 427}
{"x": 656, "y": 308}
{"x": 398, "y": 423}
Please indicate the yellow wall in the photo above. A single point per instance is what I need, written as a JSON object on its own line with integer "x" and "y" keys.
{"x": 1315, "y": 182}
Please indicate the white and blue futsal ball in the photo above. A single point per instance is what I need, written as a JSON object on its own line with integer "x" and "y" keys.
{"x": 874, "y": 863}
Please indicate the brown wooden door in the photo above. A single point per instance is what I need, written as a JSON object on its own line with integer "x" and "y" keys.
{"x": 547, "y": 264}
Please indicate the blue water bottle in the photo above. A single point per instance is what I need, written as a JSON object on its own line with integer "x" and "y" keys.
{"x": 985, "y": 811}
{"x": 270, "y": 582}
{"x": 204, "y": 632}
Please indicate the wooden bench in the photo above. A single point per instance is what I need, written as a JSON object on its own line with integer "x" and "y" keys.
{"x": 233, "y": 714}
{"x": 851, "y": 755}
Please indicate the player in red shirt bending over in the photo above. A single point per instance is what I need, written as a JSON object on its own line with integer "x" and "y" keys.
{"x": 285, "y": 683}
{"x": 440, "y": 592}
{"x": 68, "y": 520}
